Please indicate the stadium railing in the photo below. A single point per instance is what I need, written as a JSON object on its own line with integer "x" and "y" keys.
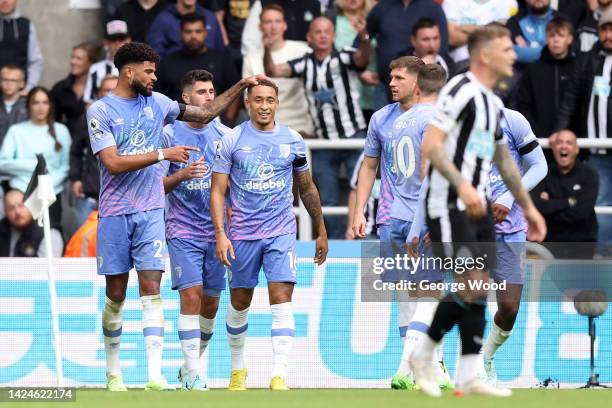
{"x": 304, "y": 222}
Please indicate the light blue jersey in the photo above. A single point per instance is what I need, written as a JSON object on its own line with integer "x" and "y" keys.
{"x": 521, "y": 141}
{"x": 378, "y": 144}
{"x": 408, "y": 132}
{"x": 135, "y": 127}
{"x": 188, "y": 213}
{"x": 261, "y": 166}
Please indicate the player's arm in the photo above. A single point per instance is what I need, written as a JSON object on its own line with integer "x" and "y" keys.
{"x": 275, "y": 70}
{"x": 310, "y": 197}
{"x": 217, "y": 213}
{"x": 117, "y": 164}
{"x": 365, "y": 182}
{"x": 192, "y": 171}
{"x": 212, "y": 109}
{"x": 512, "y": 178}
{"x": 532, "y": 158}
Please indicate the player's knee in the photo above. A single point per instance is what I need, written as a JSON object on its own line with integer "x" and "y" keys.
{"x": 191, "y": 297}
{"x": 210, "y": 304}
{"x": 116, "y": 294}
{"x": 149, "y": 288}
{"x": 241, "y": 304}
{"x": 508, "y": 310}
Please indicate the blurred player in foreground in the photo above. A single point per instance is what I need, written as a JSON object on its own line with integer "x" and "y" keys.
{"x": 125, "y": 131}
{"x": 259, "y": 160}
{"x": 462, "y": 140}
{"x": 196, "y": 272}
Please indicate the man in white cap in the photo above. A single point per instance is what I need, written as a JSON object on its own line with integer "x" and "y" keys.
{"x": 116, "y": 36}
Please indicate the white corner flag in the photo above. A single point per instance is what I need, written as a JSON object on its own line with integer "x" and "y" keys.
{"x": 38, "y": 198}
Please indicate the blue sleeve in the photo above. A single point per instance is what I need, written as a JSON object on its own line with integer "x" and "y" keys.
{"x": 372, "y": 146}
{"x": 526, "y": 55}
{"x": 100, "y": 135}
{"x": 167, "y": 136}
{"x": 418, "y": 223}
{"x": 535, "y": 162}
{"x": 300, "y": 164}
{"x": 223, "y": 157}
{"x": 170, "y": 108}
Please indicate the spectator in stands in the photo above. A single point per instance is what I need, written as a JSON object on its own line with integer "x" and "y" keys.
{"x": 566, "y": 197}
{"x": 529, "y": 30}
{"x": 116, "y": 36}
{"x": 346, "y": 15}
{"x": 21, "y": 235}
{"x": 464, "y": 16}
{"x": 587, "y": 110}
{"x": 330, "y": 82}
{"x": 390, "y": 23}
{"x": 425, "y": 44}
{"x": 298, "y": 15}
{"x": 544, "y": 82}
{"x": 68, "y": 93}
{"x": 84, "y": 173}
{"x": 139, "y": 15}
{"x": 571, "y": 9}
{"x": 292, "y": 111}
{"x": 40, "y": 134}
{"x": 196, "y": 55}
{"x": 232, "y": 15}
{"x": 165, "y": 33}
{"x": 19, "y": 43}
{"x": 12, "y": 103}
{"x": 586, "y": 31}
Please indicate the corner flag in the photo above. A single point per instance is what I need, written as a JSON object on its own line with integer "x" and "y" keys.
{"x": 40, "y": 193}
{"x": 38, "y": 198}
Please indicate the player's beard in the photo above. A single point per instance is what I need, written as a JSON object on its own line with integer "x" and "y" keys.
{"x": 139, "y": 88}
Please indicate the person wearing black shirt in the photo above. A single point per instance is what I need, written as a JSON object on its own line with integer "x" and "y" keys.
{"x": 195, "y": 55}
{"x": 566, "y": 198}
{"x": 139, "y": 14}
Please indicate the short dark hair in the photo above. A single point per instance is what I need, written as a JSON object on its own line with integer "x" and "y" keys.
{"x": 410, "y": 63}
{"x": 190, "y": 18}
{"x": 193, "y": 76}
{"x": 485, "y": 34}
{"x": 263, "y": 82}
{"x": 135, "y": 52}
{"x": 432, "y": 77}
{"x": 14, "y": 67}
{"x": 558, "y": 24}
{"x": 421, "y": 23}
{"x": 273, "y": 6}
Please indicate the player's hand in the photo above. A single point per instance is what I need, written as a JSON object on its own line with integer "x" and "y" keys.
{"x": 253, "y": 80}
{"x": 359, "y": 225}
{"x": 500, "y": 212}
{"x": 193, "y": 170}
{"x": 223, "y": 246}
{"x": 179, "y": 154}
{"x": 474, "y": 205}
{"x": 412, "y": 248}
{"x": 77, "y": 189}
{"x": 321, "y": 248}
{"x": 536, "y": 225}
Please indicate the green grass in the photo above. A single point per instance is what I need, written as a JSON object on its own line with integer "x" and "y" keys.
{"x": 350, "y": 398}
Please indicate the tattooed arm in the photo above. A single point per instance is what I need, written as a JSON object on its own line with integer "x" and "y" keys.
{"x": 312, "y": 202}
{"x": 212, "y": 109}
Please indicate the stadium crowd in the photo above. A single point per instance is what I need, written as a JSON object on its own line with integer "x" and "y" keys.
{"x": 562, "y": 85}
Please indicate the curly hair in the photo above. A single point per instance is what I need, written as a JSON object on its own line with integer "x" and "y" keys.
{"x": 135, "y": 52}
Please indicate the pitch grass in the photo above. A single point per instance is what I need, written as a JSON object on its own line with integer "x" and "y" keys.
{"x": 337, "y": 398}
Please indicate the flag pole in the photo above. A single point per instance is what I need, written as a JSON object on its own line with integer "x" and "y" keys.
{"x": 59, "y": 370}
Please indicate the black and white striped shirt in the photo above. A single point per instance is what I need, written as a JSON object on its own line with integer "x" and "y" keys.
{"x": 332, "y": 91}
{"x": 469, "y": 114}
{"x": 598, "y": 125}
{"x": 96, "y": 74}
